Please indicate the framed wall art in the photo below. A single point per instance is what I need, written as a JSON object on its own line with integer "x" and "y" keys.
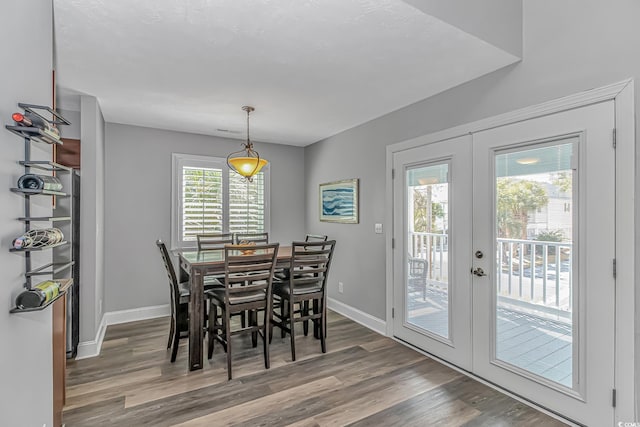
{"x": 339, "y": 201}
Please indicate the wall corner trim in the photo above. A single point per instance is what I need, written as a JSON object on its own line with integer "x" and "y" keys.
{"x": 87, "y": 349}
{"x": 92, "y": 348}
{"x": 358, "y": 316}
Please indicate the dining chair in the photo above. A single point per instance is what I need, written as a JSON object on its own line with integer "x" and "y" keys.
{"x": 248, "y": 275}
{"x": 316, "y": 238}
{"x": 257, "y": 238}
{"x": 417, "y": 274}
{"x": 309, "y": 268}
{"x": 209, "y": 241}
{"x": 180, "y": 295}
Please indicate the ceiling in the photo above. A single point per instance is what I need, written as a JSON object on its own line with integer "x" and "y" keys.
{"x": 311, "y": 68}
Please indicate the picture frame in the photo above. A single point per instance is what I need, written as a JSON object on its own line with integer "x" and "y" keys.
{"x": 339, "y": 201}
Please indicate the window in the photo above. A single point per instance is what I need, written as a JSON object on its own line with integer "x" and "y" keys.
{"x": 208, "y": 197}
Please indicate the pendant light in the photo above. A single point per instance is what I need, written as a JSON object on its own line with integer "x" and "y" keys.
{"x": 247, "y": 161}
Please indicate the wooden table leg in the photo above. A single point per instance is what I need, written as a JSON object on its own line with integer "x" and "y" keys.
{"x": 196, "y": 320}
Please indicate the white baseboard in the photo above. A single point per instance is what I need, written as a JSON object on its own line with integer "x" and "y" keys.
{"x": 136, "y": 314}
{"x": 87, "y": 349}
{"x": 358, "y": 316}
{"x": 92, "y": 348}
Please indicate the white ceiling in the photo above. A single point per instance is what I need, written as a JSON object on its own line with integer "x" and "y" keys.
{"x": 311, "y": 68}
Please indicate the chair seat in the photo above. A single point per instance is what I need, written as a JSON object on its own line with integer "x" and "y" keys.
{"x": 209, "y": 285}
{"x": 211, "y": 282}
{"x": 219, "y": 294}
{"x": 281, "y": 288}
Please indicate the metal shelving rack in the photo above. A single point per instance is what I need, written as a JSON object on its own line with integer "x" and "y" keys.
{"x": 33, "y": 134}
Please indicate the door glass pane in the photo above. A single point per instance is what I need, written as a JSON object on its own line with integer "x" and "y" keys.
{"x": 535, "y": 213}
{"x": 427, "y": 274}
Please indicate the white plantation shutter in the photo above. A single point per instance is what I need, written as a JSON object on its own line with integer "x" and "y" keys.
{"x": 202, "y": 210}
{"x": 246, "y": 204}
{"x": 209, "y": 198}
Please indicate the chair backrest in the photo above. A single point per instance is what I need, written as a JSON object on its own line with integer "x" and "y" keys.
{"x": 248, "y": 269}
{"x": 316, "y": 238}
{"x": 417, "y": 267}
{"x": 171, "y": 273}
{"x": 252, "y": 237}
{"x": 310, "y": 262}
{"x": 208, "y": 241}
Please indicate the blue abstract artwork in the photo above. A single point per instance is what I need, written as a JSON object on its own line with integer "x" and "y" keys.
{"x": 339, "y": 201}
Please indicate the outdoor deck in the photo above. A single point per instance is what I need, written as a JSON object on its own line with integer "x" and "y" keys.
{"x": 529, "y": 342}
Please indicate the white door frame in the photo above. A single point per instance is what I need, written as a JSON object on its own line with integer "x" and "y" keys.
{"x": 623, "y": 95}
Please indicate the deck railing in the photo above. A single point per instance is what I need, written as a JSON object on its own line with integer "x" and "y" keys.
{"x": 433, "y": 247}
{"x": 535, "y": 271}
{"x": 532, "y": 274}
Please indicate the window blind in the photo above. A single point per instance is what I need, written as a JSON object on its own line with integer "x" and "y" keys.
{"x": 246, "y": 204}
{"x": 202, "y": 202}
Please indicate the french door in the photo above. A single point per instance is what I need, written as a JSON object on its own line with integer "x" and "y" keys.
{"x": 504, "y": 244}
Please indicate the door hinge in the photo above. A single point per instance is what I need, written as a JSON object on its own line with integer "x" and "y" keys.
{"x": 613, "y": 397}
{"x": 393, "y": 312}
{"x": 393, "y": 243}
{"x": 615, "y": 268}
{"x": 614, "y": 138}
{"x": 393, "y": 174}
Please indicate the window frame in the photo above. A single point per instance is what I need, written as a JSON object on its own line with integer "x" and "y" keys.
{"x": 180, "y": 160}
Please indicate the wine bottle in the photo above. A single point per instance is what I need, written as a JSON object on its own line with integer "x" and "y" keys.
{"x": 39, "y": 295}
{"x": 33, "y": 120}
{"x": 38, "y": 238}
{"x": 40, "y": 182}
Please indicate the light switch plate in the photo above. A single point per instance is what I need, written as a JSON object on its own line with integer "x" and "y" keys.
{"x": 378, "y": 228}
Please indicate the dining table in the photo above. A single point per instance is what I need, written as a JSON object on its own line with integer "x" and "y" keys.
{"x": 196, "y": 265}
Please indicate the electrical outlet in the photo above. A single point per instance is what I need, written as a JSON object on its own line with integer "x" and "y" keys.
{"x": 378, "y": 228}
{"x": 340, "y": 287}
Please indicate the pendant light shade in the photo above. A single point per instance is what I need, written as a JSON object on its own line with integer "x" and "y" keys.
{"x": 246, "y": 162}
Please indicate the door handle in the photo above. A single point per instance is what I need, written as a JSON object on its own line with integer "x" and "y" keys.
{"x": 478, "y": 272}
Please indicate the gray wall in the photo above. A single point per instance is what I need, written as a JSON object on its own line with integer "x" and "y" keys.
{"x": 569, "y": 46}
{"x": 25, "y": 349}
{"x": 92, "y": 200}
{"x": 138, "y": 204}
{"x": 72, "y": 131}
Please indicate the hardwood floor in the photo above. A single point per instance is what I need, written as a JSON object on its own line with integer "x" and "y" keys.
{"x": 365, "y": 379}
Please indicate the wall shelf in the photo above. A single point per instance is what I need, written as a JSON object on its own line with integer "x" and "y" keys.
{"x": 40, "y": 308}
{"x": 46, "y": 166}
{"x": 44, "y": 218}
{"x": 40, "y": 248}
{"x": 32, "y": 192}
{"x": 36, "y": 134}
{"x": 64, "y": 285}
{"x": 55, "y": 268}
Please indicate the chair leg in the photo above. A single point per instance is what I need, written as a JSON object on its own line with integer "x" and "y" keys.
{"x": 227, "y": 337}
{"x": 304, "y": 309}
{"x": 284, "y": 308}
{"x": 266, "y": 335}
{"x": 292, "y": 331}
{"x": 321, "y": 322}
{"x": 174, "y": 349}
{"x": 213, "y": 321}
{"x": 253, "y": 321}
{"x": 171, "y": 332}
{"x": 316, "y": 326}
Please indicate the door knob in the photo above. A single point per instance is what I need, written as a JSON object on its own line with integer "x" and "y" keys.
{"x": 478, "y": 272}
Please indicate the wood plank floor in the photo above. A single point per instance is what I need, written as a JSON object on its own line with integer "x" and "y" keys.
{"x": 364, "y": 379}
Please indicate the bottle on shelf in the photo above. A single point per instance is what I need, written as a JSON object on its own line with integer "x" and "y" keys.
{"x": 39, "y": 295}
{"x": 28, "y": 119}
{"x": 38, "y": 238}
{"x": 40, "y": 182}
